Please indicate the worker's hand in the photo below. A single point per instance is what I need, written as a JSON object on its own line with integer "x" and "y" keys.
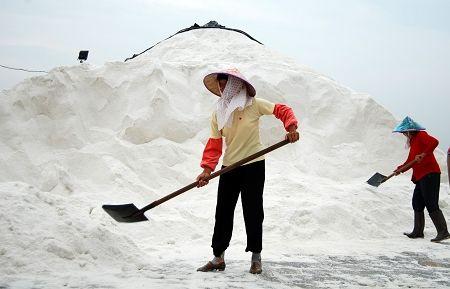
{"x": 397, "y": 172}
{"x": 292, "y": 134}
{"x": 419, "y": 157}
{"x": 203, "y": 178}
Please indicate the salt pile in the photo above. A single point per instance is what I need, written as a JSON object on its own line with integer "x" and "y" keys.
{"x": 83, "y": 136}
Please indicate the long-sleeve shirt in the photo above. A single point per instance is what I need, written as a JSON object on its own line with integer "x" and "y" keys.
{"x": 242, "y": 138}
{"x": 420, "y": 143}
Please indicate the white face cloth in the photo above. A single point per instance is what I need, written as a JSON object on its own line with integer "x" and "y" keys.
{"x": 234, "y": 96}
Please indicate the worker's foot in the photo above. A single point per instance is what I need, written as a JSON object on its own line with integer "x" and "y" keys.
{"x": 256, "y": 267}
{"x": 213, "y": 266}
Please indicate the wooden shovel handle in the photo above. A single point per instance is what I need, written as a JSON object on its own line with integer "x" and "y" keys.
{"x": 216, "y": 174}
{"x": 402, "y": 169}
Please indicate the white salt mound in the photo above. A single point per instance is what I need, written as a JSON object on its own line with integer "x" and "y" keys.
{"x": 83, "y": 136}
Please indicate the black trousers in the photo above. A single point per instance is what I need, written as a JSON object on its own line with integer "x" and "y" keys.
{"x": 249, "y": 181}
{"x": 426, "y": 193}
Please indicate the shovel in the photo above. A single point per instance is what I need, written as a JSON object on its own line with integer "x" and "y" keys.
{"x": 377, "y": 179}
{"x": 129, "y": 213}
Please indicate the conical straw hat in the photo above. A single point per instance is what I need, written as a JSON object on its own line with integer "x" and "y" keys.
{"x": 212, "y": 84}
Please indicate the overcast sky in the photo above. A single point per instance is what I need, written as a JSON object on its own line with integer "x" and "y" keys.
{"x": 396, "y": 50}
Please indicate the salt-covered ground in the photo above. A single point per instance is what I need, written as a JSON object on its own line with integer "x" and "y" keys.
{"x": 84, "y": 136}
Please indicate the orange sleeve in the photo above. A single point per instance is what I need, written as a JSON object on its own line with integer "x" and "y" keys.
{"x": 285, "y": 114}
{"x": 212, "y": 153}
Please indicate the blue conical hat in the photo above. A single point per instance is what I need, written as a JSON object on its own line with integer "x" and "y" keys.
{"x": 408, "y": 124}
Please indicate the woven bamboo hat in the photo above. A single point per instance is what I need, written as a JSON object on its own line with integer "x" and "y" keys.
{"x": 212, "y": 84}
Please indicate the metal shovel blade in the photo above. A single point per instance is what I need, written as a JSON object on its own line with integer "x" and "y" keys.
{"x": 376, "y": 180}
{"x": 127, "y": 213}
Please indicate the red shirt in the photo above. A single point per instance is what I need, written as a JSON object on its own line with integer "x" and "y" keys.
{"x": 422, "y": 142}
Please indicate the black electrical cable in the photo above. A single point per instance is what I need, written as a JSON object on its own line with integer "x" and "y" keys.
{"x": 26, "y": 70}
